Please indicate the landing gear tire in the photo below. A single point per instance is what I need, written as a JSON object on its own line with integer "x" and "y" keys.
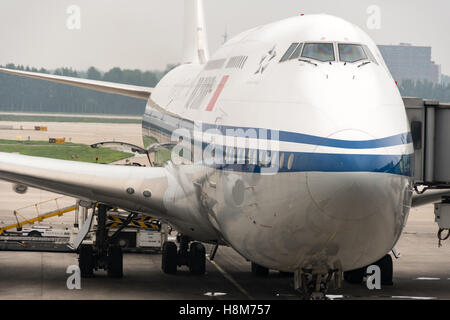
{"x": 355, "y": 276}
{"x": 387, "y": 270}
{"x": 197, "y": 259}
{"x": 259, "y": 271}
{"x": 115, "y": 262}
{"x": 86, "y": 261}
{"x": 386, "y": 267}
{"x": 169, "y": 258}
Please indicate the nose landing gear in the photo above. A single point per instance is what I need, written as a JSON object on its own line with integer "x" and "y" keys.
{"x": 313, "y": 285}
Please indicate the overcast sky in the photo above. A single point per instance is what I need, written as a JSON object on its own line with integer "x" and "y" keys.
{"x": 147, "y": 34}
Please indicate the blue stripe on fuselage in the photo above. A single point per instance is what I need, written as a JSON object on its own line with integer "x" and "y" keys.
{"x": 320, "y": 162}
{"x": 294, "y": 137}
{"x": 304, "y": 162}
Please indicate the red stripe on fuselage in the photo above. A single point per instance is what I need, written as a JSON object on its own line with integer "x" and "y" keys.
{"x": 216, "y": 95}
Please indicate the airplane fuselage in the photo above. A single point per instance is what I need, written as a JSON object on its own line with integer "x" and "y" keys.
{"x": 341, "y": 189}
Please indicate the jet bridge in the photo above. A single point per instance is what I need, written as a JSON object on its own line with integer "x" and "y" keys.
{"x": 430, "y": 130}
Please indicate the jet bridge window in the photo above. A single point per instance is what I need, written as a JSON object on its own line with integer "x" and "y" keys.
{"x": 351, "y": 53}
{"x": 323, "y": 52}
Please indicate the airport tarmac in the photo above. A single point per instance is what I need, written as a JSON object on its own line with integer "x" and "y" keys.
{"x": 84, "y": 133}
{"x": 423, "y": 271}
{"x": 71, "y": 115}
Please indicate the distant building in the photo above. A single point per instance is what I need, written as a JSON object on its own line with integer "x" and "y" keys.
{"x": 406, "y": 61}
{"x": 445, "y": 79}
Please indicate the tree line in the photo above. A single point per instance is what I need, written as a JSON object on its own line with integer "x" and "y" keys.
{"x": 445, "y": 79}
{"x": 32, "y": 95}
{"x": 425, "y": 90}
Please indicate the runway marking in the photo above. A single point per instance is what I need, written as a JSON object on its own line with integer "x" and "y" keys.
{"x": 334, "y": 296}
{"x": 230, "y": 278}
{"x": 215, "y": 294}
{"x": 383, "y": 297}
{"x": 414, "y": 298}
{"x": 286, "y": 295}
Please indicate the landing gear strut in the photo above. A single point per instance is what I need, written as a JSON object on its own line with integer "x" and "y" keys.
{"x": 103, "y": 254}
{"x": 191, "y": 254}
{"x": 313, "y": 285}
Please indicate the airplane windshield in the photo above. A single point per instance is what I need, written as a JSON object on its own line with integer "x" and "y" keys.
{"x": 297, "y": 52}
{"x": 351, "y": 53}
{"x": 293, "y": 52}
{"x": 370, "y": 55}
{"x": 323, "y": 52}
{"x": 289, "y": 52}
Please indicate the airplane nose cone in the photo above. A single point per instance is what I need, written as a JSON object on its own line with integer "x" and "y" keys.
{"x": 345, "y": 192}
{"x": 345, "y": 196}
{"x": 360, "y": 202}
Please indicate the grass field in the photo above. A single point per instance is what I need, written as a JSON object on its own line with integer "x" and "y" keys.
{"x": 29, "y": 118}
{"x": 162, "y": 155}
{"x": 68, "y": 151}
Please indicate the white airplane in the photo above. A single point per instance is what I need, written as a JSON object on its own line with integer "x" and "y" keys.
{"x": 296, "y": 152}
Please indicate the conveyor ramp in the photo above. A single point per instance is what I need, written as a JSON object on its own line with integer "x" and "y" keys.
{"x": 40, "y": 216}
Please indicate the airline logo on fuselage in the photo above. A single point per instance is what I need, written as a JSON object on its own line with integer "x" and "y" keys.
{"x": 216, "y": 95}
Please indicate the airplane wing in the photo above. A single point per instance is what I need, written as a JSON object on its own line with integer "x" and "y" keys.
{"x": 429, "y": 197}
{"x": 102, "y": 86}
{"x": 118, "y": 186}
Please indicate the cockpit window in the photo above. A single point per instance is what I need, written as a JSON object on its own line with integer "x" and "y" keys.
{"x": 297, "y": 52}
{"x": 370, "y": 55}
{"x": 289, "y": 52}
{"x": 323, "y": 52}
{"x": 351, "y": 53}
{"x": 293, "y": 52}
